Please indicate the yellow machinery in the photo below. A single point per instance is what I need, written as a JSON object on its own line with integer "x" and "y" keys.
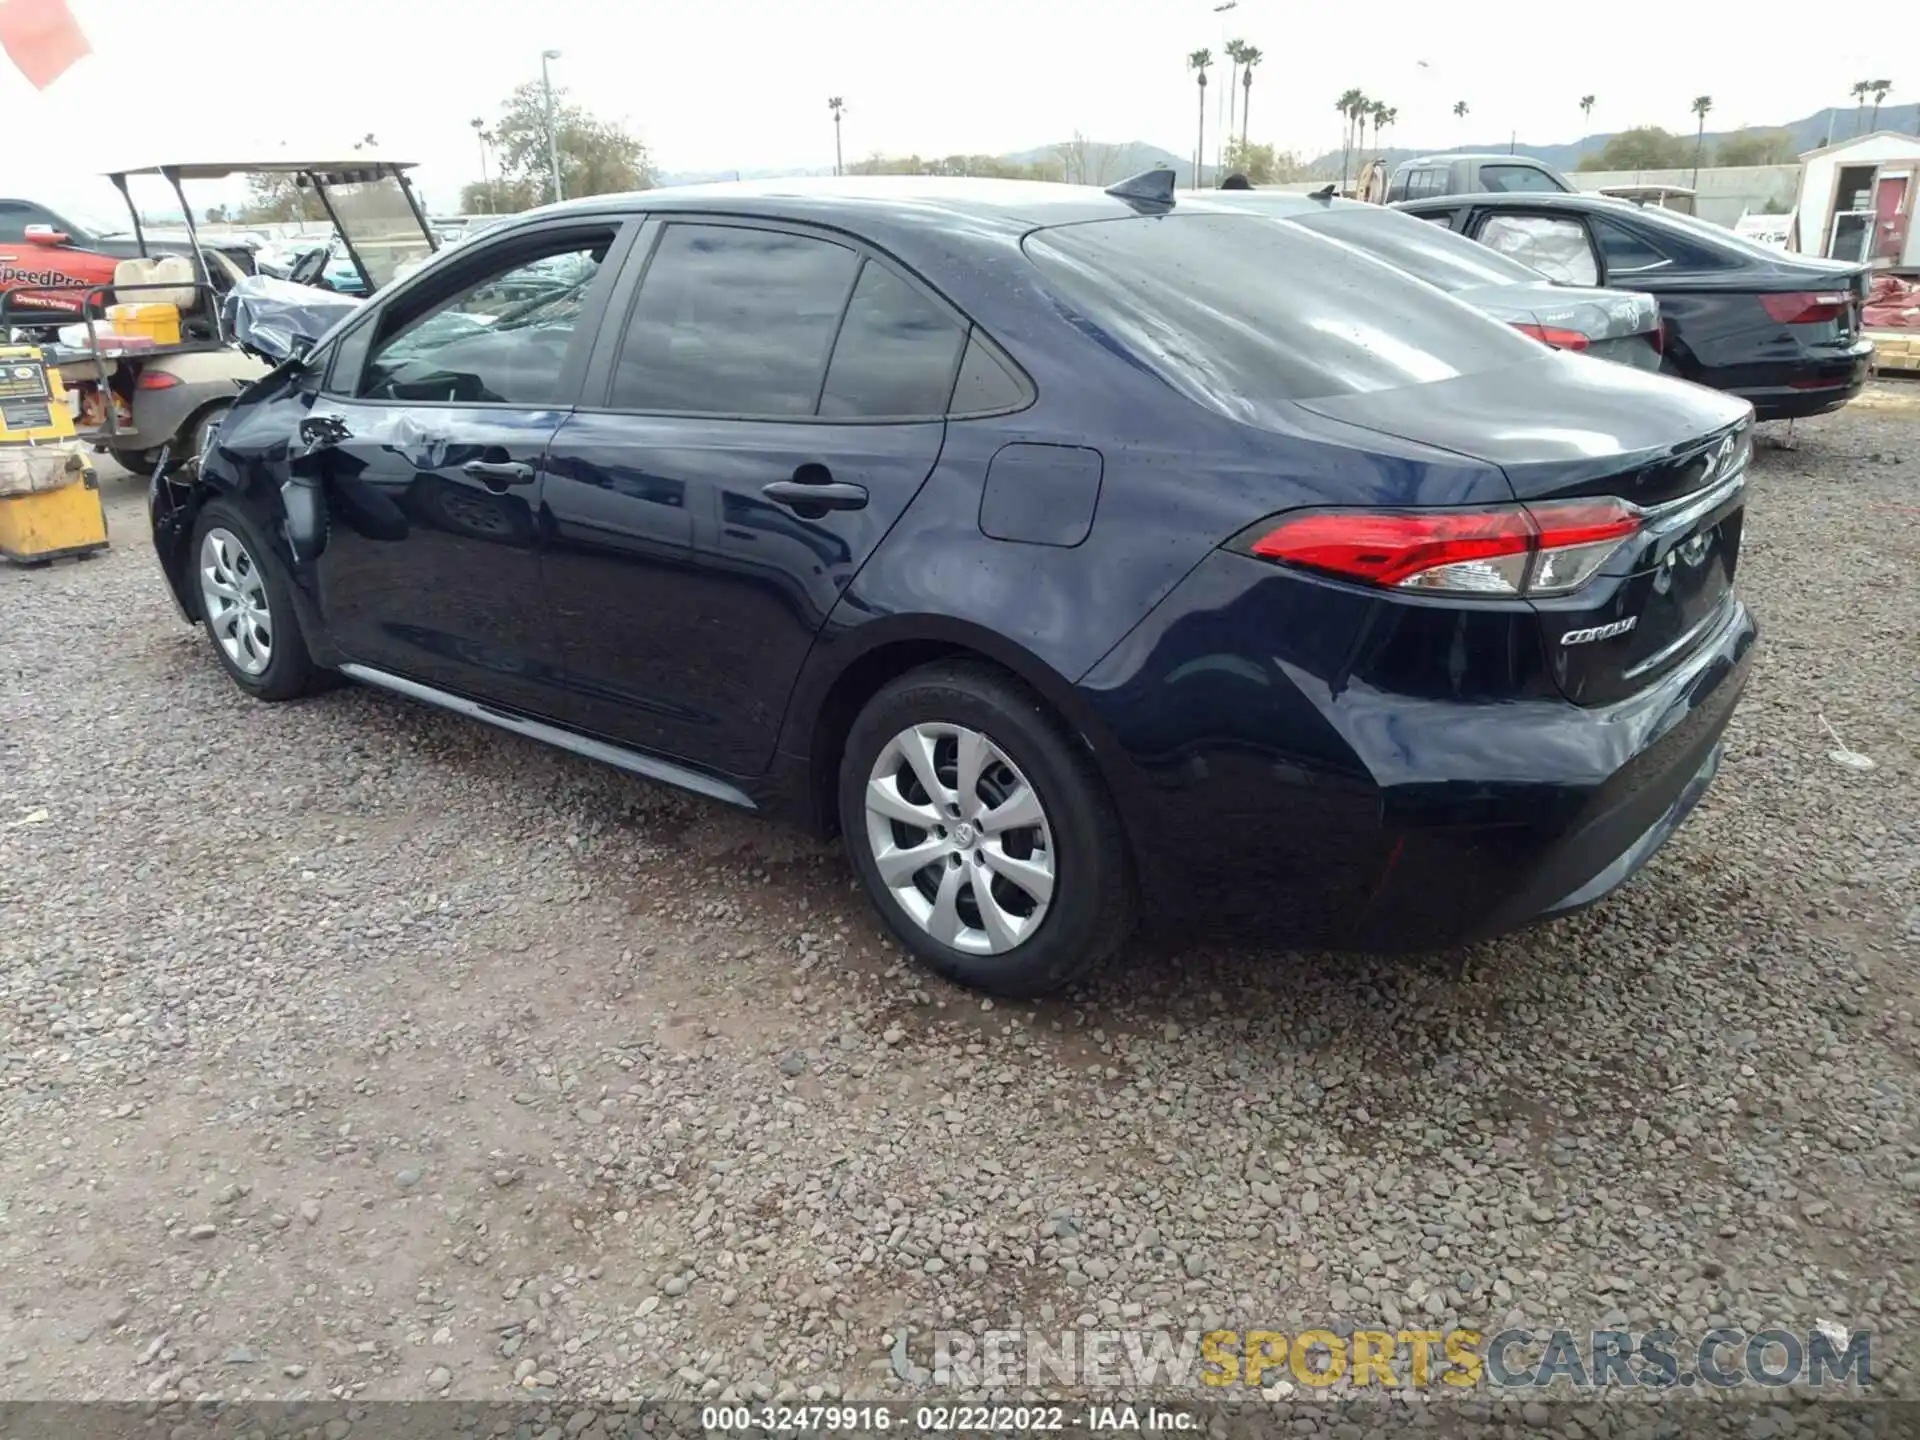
{"x": 49, "y": 494}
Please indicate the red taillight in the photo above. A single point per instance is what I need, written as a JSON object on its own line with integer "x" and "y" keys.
{"x": 1545, "y": 549}
{"x": 1657, "y": 337}
{"x": 1552, "y": 335}
{"x": 1806, "y": 307}
{"x": 156, "y": 380}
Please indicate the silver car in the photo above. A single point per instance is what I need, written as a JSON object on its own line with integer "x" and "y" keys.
{"x": 1619, "y": 325}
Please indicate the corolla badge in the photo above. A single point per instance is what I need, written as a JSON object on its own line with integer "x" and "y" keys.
{"x": 1599, "y": 632}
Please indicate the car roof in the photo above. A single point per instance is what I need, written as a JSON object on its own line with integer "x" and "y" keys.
{"x": 1527, "y": 200}
{"x": 1009, "y": 206}
{"x": 1500, "y": 157}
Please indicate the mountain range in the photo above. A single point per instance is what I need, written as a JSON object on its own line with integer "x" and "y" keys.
{"x": 1116, "y": 161}
{"x": 1809, "y": 133}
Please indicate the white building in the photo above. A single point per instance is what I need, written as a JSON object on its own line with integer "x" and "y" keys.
{"x": 1857, "y": 198}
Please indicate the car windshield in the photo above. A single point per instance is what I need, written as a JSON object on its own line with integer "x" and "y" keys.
{"x": 1419, "y": 247}
{"x": 376, "y": 218}
{"x": 1237, "y": 313}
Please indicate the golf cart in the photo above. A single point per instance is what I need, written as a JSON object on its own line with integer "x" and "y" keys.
{"x": 148, "y": 359}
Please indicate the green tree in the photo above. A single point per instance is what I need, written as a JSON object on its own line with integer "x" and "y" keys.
{"x": 1198, "y": 61}
{"x": 597, "y": 156}
{"x": 277, "y": 199}
{"x": 1645, "y": 147}
{"x": 989, "y": 166}
{"x": 1262, "y": 164}
{"x": 500, "y": 197}
{"x": 1756, "y": 147}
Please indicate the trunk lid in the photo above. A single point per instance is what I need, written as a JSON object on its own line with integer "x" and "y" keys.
{"x": 1573, "y": 427}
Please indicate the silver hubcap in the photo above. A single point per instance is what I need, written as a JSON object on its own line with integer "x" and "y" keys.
{"x": 234, "y": 596}
{"x": 960, "y": 839}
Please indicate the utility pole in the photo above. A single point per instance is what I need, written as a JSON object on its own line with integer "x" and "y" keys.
{"x": 553, "y": 143}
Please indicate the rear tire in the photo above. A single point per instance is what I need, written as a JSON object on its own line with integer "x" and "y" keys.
{"x": 1023, "y": 884}
{"x": 240, "y": 590}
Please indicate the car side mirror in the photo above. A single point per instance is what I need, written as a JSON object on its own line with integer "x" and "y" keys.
{"x": 46, "y": 235}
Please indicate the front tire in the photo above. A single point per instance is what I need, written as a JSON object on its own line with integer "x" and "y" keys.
{"x": 240, "y": 589}
{"x": 982, "y": 832}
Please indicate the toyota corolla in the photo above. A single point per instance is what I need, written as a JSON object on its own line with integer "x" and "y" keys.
{"x": 1077, "y": 556}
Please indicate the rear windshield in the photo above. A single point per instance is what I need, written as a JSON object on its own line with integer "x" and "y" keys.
{"x": 1422, "y": 249}
{"x": 1236, "y": 311}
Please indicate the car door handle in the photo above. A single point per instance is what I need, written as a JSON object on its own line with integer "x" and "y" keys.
{"x": 822, "y": 495}
{"x": 499, "y": 472}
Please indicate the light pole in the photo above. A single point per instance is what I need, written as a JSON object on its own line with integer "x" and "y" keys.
{"x": 553, "y": 143}
{"x": 486, "y": 185}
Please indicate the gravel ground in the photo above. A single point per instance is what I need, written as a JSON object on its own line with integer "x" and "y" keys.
{"x": 351, "y": 1049}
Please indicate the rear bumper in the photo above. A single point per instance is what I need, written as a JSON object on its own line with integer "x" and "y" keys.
{"x": 1288, "y": 771}
{"x": 1817, "y": 386}
{"x": 1558, "y": 844}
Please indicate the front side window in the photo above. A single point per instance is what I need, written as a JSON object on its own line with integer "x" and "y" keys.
{"x": 1554, "y": 245}
{"x": 499, "y": 339}
{"x": 734, "y": 321}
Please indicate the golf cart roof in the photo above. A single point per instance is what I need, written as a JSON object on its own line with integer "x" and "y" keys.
{"x": 337, "y": 171}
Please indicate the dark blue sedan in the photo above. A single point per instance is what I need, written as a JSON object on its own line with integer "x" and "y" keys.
{"x": 1078, "y": 556}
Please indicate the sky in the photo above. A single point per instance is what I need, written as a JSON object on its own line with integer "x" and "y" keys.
{"x": 723, "y": 84}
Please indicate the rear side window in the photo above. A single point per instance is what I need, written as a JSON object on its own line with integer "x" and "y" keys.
{"x": 985, "y": 384}
{"x": 896, "y": 352}
{"x": 1515, "y": 178}
{"x": 734, "y": 321}
{"x": 1237, "y": 312}
{"x": 1627, "y": 252}
{"x": 1425, "y": 184}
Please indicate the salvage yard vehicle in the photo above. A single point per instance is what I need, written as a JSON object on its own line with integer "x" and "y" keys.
{"x": 1074, "y": 555}
{"x": 1781, "y": 331}
{"x": 1607, "y": 324}
{"x": 146, "y": 355}
{"x": 1432, "y": 175}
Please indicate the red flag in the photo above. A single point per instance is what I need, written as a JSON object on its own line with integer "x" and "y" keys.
{"x": 41, "y": 38}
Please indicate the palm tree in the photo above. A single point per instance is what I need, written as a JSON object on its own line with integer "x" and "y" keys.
{"x": 1701, "y": 105}
{"x": 1459, "y": 109}
{"x": 839, "y": 108}
{"x": 1859, "y": 93}
{"x": 1250, "y": 56}
{"x": 1350, "y": 105}
{"x": 1198, "y": 62}
{"x": 1236, "y": 52}
{"x": 1382, "y": 115}
{"x": 1879, "y": 92}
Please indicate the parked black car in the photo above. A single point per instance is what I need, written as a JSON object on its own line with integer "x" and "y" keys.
{"x": 1781, "y": 331}
{"x": 1068, "y": 552}
{"x": 1621, "y": 325}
